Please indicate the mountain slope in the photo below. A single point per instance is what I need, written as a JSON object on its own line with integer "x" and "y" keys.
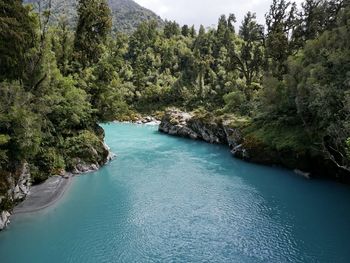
{"x": 127, "y": 14}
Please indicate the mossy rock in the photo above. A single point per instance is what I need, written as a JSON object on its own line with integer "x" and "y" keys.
{"x": 174, "y": 121}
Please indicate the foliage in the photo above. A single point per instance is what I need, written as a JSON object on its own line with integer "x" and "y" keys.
{"x": 94, "y": 25}
{"x": 85, "y": 146}
{"x": 17, "y": 36}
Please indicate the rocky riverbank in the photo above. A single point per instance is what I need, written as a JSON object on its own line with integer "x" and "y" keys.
{"x": 209, "y": 129}
{"x": 28, "y": 198}
{"x": 233, "y": 132}
{"x": 145, "y": 120}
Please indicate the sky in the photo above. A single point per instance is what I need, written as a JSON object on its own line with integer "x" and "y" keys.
{"x": 206, "y": 12}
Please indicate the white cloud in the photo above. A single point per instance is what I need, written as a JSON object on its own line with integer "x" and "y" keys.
{"x": 206, "y": 12}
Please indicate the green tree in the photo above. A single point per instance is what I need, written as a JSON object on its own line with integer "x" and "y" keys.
{"x": 94, "y": 26}
{"x": 171, "y": 29}
{"x": 62, "y": 45}
{"x": 280, "y": 21}
{"x": 248, "y": 59}
{"x": 203, "y": 51}
{"x": 17, "y": 36}
{"x": 185, "y": 30}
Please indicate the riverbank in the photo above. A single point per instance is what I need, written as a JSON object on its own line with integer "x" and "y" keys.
{"x": 246, "y": 145}
{"x": 28, "y": 198}
{"x": 52, "y": 190}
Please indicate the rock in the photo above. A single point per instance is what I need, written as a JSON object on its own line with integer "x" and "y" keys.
{"x": 83, "y": 167}
{"x": 153, "y": 123}
{"x": 178, "y": 123}
{"x": 21, "y": 189}
{"x": 303, "y": 174}
{"x": 184, "y": 124}
{"x": 16, "y": 193}
{"x": 4, "y": 219}
{"x": 233, "y": 136}
{"x": 240, "y": 152}
{"x": 111, "y": 155}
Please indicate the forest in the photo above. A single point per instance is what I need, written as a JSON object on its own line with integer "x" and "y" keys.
{"x": 288, "y": 79}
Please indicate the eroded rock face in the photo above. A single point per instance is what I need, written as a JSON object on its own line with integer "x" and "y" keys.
{"x": 178, "y": 123}
{"x": 22, "y": 188}
{"x": 19, "y": 184}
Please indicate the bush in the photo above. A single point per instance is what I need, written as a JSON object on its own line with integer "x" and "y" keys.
{"x": 50, "y": 161}
{"x": 46, "y": 163}
{"x": 86, "y": 146}
{"x": 236, "y": 102}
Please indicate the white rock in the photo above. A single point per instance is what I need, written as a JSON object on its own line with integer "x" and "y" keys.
{"x": 4, "y": 219}
{"x": 153, "y": 123}
{"x": 303, "y": 174}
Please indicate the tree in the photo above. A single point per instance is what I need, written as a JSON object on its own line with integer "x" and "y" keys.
{"x": 193, "y": 32}
{"x": 17, "y": 36}
{"x": 62, "y": 45}
{"x": 319, "y": 83}
{"x": 281, "y": 22}
{"x": 248, "y": 59}
{"x": 19, "y": 125}
{"x": 230, "y": 23}
{"x": 94, "y": 26}
{"x": 171, "y": 29}
{"x": 316, "y": 17}
{"x": 203, "y": 48}
{"x": 221, "y": 29}
{"x": 185, "y": 30}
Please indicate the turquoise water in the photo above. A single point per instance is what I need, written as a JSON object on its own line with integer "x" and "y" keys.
{"x": 166, "y": 199}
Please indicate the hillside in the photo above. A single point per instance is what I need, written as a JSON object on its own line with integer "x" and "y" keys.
{"x": 127, "y": 14}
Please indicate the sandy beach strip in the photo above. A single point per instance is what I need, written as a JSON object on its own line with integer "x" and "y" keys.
{"x": 44, "y": 195}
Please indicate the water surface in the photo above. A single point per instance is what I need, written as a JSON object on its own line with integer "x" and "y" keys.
{"x": 166, "y": 199}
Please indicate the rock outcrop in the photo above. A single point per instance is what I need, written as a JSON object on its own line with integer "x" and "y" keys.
{"x": 4, "y": 219}
{"x": 206, "y": 128}
{"x": 148, "y": 120}
{"x": 18, "y": 184}
{"x": 176, "y": 122}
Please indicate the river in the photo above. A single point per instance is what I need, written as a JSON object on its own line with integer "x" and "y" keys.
{"x": 167, "y": 199}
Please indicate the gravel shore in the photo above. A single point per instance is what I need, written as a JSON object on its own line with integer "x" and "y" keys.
{"x": 44, "y": 195}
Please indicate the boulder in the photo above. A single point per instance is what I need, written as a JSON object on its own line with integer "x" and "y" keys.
{"x": 179, "y": 123}
{"x": 83, "y": 167}
{"x": 4, "y": 219}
